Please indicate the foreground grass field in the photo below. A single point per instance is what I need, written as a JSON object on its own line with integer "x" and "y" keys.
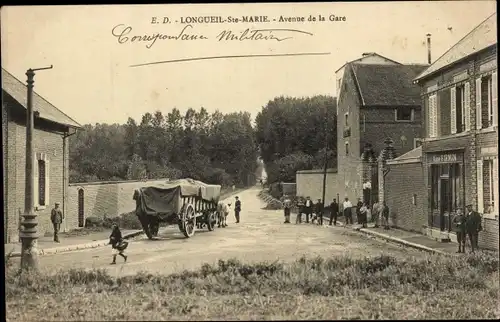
{"x": 381, "y": 287}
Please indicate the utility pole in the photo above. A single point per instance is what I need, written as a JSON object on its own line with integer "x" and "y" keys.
{"x": 326, "y": 163}
{"x": 29, "y": 234}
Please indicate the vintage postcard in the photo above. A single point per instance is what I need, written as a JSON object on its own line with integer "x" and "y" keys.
{"x": 328, "y": 160}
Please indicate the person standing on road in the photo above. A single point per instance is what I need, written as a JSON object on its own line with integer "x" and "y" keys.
{"x": 318, "y": 210}
{"x": 376, "y": 214}
{"x": 308, "y": 208}
{"x": 334, "y": 211}
{"x": 300, "y": 210}
{"x": 346, "y": 208}
{"x": 237, "y": 209}
{"x": 384, "y": 210}
{"x": 459, "y": 228}
{"x": 117, "y": 244}
{"x": 358, "y": 212}
{"x": 363, "y": 212}
{"x": 287, "y": 205}
{"x": 56, "y": 217}
{"x": 472, "y": 227}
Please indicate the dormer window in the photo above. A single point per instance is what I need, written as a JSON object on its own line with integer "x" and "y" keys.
{"x": 404, "y": 114}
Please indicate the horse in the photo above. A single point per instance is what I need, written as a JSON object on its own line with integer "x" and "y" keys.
{"x": 223, "y": 210}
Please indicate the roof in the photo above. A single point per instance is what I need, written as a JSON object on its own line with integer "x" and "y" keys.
{"x": 18, "y": 90}
{"x": 411, "y": 156}
{"x": 368, "y": 55}
{"x": 388, "y": 85}
{"x": 481, "y": 37}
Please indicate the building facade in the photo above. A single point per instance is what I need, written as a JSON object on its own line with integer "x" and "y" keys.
{"x": 460, "y": 149}
{"x": 51, "y": 156}
{"x": 377, "y": 101}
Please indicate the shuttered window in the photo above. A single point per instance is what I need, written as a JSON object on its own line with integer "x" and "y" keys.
{"x": 433, "y": 123}
{"x": 453, "y": 112}
{"x": 41, "y": 182}
{"x": 480, "y": 195}
{"x": 467, "y": 106}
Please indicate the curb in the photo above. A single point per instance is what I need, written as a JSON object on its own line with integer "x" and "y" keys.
{"x": 402, "y": 242}
{"x": 64, "y": 249}
{"x": 397, "y": 240}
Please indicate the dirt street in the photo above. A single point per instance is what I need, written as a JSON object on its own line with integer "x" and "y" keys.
{"x": 261, "y": 235}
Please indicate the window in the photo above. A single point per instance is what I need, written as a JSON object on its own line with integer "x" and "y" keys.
{"x": 346, "y": 148}
{"x": 459, "y": 116}
{"x": 417, "y": 142}
{"x": 447, "y": 187}
{"x": 346, "y": 117}
{"x": 432, "y": 116}
{"x": 41, "y": 182}
{"x": 404, "y": 114}
{"x": 488, "y": 187}
{"x": 485, "y": 102}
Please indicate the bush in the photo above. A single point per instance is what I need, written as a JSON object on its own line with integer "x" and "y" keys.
{"x": 93, "y": 222}
{"x": 380, "y": 287}
{"x": 127, "y": 220}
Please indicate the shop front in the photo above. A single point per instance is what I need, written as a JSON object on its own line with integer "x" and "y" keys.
{"x": 447, "y": 188}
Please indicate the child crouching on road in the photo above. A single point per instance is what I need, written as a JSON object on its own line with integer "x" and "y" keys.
{"x": 117, "y": 244}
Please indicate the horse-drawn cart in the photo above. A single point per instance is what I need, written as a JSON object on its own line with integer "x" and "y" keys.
{"x": 189, "y": 203}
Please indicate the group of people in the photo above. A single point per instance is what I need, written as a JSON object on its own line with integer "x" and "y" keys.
{"x": 467, "y": 225}
{"x": 314, "y": 211}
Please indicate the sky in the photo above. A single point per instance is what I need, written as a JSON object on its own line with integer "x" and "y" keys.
{"x": 92, "y": 80}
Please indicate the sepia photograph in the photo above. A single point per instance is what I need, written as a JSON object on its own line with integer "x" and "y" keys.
{"x": 250, "y": 161}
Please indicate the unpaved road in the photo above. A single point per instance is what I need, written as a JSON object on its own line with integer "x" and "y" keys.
{"x": 261, "y": 235}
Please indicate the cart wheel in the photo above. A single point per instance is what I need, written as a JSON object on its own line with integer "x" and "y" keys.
{"x": 211, "y": 220}
{"x": 188, "y": 220}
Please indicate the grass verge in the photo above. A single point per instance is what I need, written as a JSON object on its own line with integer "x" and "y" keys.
{"x": 382, "y": 287}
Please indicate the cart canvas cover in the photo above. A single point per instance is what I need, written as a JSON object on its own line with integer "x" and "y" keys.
{"x": 166, "y": 198}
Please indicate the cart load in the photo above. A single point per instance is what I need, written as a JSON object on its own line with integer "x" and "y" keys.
{"x": 189, "y": 203}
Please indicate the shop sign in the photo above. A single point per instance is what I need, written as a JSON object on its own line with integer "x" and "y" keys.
{"x": 446, "y": 158}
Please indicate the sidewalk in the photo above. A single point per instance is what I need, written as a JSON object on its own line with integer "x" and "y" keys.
{"x": 406, "y": 238}
{"x": 46, "y": 245}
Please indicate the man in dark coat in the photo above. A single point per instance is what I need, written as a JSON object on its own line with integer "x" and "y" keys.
{"x": 384, "y": 210}
{"x": 334, "y": 212}
{"x": 300, "y": 210}
{"x": 318, "y": 210}
{"x": 56, "y": 217}
{"x": 473, "y": 226}
{"x": 459, "y": 228}
{"x": 359, "y": 218}
{"x": 308, "y": 208}
{"x": 237, "y": 209}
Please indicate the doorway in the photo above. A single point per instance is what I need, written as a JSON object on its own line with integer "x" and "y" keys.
{"x": 81, "y": 208}
{"x": 445, "y": 202}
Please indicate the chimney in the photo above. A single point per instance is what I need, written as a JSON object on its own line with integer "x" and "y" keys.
{"x": 429, "y": 49}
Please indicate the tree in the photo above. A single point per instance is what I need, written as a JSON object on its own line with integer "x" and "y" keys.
{"x": 296, "y": 126}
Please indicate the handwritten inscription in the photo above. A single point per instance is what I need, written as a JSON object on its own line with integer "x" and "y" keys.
{"x": 257, "y": 34}
{"x": 126, "y": 34}
{"x": 122, "y": 32}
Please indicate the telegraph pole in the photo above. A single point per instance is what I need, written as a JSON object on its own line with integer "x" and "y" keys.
{"x": 326, "y": 163}
{"x": 29, "y": 234}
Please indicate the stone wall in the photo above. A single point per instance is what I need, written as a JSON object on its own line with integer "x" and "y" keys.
{"x": 405, "y": 194}
{"x": 310, "y": 183}
{"x": 101, "y": 199}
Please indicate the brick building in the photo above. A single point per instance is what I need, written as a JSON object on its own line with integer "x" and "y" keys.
{"x": 405, "y": 192}
{"x": 377, "y": 99}
{"x": 50, "y": 140}
{"x": 460, "y": 149}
